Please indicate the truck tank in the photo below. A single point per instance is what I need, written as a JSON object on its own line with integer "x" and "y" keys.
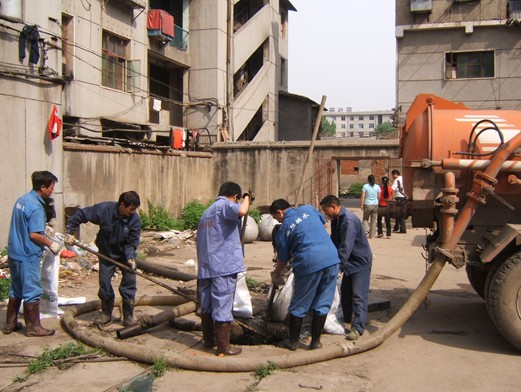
{"x": 481, "y": 149}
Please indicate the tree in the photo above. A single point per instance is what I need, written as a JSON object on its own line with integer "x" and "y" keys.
{"x": 327, "y": 128}
{"x": 385, "y": 131}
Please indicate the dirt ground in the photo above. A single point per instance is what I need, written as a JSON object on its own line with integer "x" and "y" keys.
{"x": 449, "y": 344}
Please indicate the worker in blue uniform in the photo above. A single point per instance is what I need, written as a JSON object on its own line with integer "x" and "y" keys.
{"x": 303, "y": 238}
{"x": 25, "y": 247}
{"x": 220, "y": 259}
{"x": 118, "y": 238}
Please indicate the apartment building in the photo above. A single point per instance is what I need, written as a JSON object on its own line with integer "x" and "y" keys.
{"x": 462, "y": 50}
{"x": 357, "y": 124}
{"x": 134, "y": 71}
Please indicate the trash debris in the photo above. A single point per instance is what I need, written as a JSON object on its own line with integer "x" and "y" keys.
{"x": 67, "y": 254}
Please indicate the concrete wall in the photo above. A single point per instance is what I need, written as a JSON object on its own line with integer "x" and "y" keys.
{"x": 271, "y": 170}
{"x": 27, "y": 96}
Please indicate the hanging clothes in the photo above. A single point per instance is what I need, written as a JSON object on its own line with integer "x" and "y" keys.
{"x": 31, "y": 34}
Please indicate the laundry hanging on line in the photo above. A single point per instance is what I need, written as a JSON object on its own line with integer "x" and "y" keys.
{"x": 30, "y": 34}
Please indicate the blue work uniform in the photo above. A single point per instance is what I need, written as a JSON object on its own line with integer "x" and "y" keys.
{"x": 117, "y": 238}
{"x": 220, "y": 258}
{"x": 303, "y": 238}
{"x": 23, "y": 253}
{"x": 356, "y": 257}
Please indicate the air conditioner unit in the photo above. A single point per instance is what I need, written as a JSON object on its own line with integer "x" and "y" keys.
{"x": 421, "y": 6}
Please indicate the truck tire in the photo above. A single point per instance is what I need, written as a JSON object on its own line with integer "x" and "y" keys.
{"x": 493, "y": 268}
{"x": 504, "y": 300}
{"x": 477, "y": 278}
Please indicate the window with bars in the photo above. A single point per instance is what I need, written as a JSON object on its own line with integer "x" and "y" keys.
{"x": 117, "y": 71}
{"x": 467, "y": 65}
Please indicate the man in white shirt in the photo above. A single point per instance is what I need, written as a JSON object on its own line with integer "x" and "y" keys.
{"x": 400, "y": 197}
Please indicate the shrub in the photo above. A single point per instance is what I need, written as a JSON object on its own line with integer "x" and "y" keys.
{"x": 356, "y": 189}
{"x": 255, "y": 214}
{"x": 158, "y": 218}
{"x": 4, "y": 288}
{"x": 192, "y": 213}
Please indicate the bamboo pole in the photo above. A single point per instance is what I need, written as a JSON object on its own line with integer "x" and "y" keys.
{"x": 311, "y": 147}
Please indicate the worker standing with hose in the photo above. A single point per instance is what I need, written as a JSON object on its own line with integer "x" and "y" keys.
{"x": 220, "y": 259}
{"x": 118, "y": 238}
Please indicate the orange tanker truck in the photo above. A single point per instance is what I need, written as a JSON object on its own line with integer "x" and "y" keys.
{"x": 462, "y": 176}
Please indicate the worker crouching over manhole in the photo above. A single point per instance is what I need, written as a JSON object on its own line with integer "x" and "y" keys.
{"x": 303, "y": 237}
{"x": 220, "y": 259}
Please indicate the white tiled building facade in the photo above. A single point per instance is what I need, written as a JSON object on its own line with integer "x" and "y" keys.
{"x": 357, "y": 124}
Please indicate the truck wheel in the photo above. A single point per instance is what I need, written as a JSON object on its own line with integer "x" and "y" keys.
{"x": 477, "y": 278}
{"x": 504, "y": 300}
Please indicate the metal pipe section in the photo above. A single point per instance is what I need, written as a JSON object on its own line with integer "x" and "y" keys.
{"x": 148, "y": 322}
{"x": 476, "y": 164}
{"x": 482, "y": 183}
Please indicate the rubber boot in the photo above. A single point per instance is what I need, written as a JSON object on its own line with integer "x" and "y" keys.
{"x": 106, "y": 309}
{"x": 208, "y": 330}
{"x": 316, "y": 330}
{"x": 128, "y": 312}
{"x": 295, "y": 325}
{"x": 11, "y": 318}
{"x": 32, "y": 320}
{"x": 222, "y": 338}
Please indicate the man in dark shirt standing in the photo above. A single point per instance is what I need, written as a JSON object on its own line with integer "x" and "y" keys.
{"x": 118, "y": 238}
{"x": 356, "y": 259}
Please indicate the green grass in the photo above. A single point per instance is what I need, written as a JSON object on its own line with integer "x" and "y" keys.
{"x": 266, "y": 370}
{"x": 251, "y": 283}
{"x": 160, "y": 367}
{"x": 53, "y": 357}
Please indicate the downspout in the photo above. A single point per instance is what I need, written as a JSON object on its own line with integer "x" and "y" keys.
{"x": 227, "y": 117}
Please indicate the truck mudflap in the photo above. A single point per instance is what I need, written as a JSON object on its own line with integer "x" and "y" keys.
{"x": 497, "y": 243}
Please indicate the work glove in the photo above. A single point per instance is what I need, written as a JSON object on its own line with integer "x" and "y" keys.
{"x": 132, "y": 264}
{"x": 69, "y": 239}
{"x": 55, "y": 248}
{"x": 277, "y": 279}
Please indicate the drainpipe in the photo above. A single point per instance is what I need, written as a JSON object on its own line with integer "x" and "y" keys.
{"x": 227, "y": 120}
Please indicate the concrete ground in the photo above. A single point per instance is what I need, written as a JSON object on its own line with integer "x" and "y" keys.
{"x": 449, "y": 343}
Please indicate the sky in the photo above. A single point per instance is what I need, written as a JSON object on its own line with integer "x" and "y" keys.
{"x": 345, "y": 50}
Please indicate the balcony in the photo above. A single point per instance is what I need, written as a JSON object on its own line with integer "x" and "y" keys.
{"x": 160, "y": 26}
{"x": 139, "y": 4}
{"x": 180, "y": 38}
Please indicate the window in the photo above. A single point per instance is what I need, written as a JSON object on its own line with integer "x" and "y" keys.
{"x": 371, "y": 125}
{"x": 465, "y": 65}
{"x": 342, "y": 118}
{"x": 351, "y": 126}
{"x": 361, "y": 126}
{"x": 352, "y": 118}
{"x": 361, "y": 118}
{"x": 371, "y": 117}
{"x": 114, "y": 62}
{"x": 343, "y": 126}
